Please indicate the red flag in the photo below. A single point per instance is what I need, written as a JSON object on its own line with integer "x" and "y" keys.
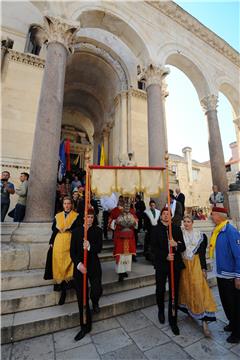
{"x": 67, "y": 151}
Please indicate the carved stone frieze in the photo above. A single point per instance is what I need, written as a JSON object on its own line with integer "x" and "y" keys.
{"x": 177, "y": 14}
{"x": 28, "y": 59}
{"x": 58, "y": 30}
{"x": 138, "y": 93}
{"x": 87, "y": 47}
{"x": 209, "y": 103}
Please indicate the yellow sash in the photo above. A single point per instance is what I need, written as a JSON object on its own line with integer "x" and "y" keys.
{"x": 214, "y": 236}
{"x": 64, "y": 223}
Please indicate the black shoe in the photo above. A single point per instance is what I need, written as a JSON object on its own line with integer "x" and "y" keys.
{"x": 233, "y": 339}
{"x": 62, "y": 297}
{"x": 125, "y": 275}
{"x": 134, "y": 258}
{"x": 161, "y": 317}
{"x": 227, "y": 328}
{"x": 175, "y": 329}
{"x": 80, "y": 335}
{"x": 120, "y": 277}
{"x": 96, "y": 308}
{"x": 57, "y": 287}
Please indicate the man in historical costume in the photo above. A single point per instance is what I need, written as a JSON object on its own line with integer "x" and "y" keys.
{"x": 125, "y": 221}
{"x": 95, "y": 238}
{"x": 225, "y": 244}
{"x": 162, "y": 259}
{"x": 217, "y": 197}
{"x": 93, "y": 271}
{"x": 151, "y": 220}
{"x": 59, "y": 265}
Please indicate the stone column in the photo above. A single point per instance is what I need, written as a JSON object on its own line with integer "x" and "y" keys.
{"x": 219, "y": 177}
{"x": 157, "y": 134}
{"x": 106, "y": 132}
{"x": 237, "y": 127}
{"x": 43, "y": 172}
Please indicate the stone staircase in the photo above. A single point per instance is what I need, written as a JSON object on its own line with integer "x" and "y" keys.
{"x": 29, "y": 304}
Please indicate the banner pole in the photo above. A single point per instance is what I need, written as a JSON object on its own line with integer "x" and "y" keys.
{"x": 170, "y": 237}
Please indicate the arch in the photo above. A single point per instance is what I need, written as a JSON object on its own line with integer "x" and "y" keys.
{"x": 92, "y": 16}
{"x": 178, "y": 56}
{"x": 231, "y": 94}
{"x": 74, "y": 117}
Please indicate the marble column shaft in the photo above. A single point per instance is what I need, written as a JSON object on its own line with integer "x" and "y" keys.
{"x": 44, "y": 164}
{"x": 218, "y": 170}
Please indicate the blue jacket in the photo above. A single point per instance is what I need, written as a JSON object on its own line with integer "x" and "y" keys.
{"x": 228, "y": 252}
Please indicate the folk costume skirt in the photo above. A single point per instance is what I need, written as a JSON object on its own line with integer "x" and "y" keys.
{"x": 62, "y": 264}
{"x": 195, "y": 296}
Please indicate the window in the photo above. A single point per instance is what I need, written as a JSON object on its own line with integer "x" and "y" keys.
{"x": 195, "y": 174}
{"x": 33, "y": 44}
{"x": 228, "y": 168}
{"x": 142, "y": 85}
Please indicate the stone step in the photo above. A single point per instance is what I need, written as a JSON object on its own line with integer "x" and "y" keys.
{"x": 15, "y": 256}
{"x": 31, "y": 323}
{"x": 22, "y": 279}
{"x": 14, "y": 301}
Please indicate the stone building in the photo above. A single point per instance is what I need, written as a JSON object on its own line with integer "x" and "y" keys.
{"x": 94, "y": 71}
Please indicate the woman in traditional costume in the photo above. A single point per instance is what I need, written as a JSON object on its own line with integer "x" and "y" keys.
{"x": 123, "y": 220}
{"x": 195, "y": 296}
{"x": 59, "y": 265}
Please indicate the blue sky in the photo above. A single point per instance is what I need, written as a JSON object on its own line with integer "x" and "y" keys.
{"x": 182, "y": 107}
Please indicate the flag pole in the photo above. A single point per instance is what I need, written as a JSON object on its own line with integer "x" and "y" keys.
{"x": 170, "y": 238}
{"x": 87, "y": 201}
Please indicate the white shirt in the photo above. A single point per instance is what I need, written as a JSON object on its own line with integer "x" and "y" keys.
{"x": 108, "y": 202}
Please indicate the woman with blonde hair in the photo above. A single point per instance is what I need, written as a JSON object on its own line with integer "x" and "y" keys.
{"x": 195, "y": 296}
{"x": 59, "y": 265}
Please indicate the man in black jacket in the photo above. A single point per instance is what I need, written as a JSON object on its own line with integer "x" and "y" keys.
{"x": 162, "y": 259}
{"x": 93, "y": 246}
{"x": 181, "y": 198}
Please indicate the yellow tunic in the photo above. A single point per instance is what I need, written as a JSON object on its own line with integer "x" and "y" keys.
{"x": 195, "y": 296}
{"x": 62, "y": 264}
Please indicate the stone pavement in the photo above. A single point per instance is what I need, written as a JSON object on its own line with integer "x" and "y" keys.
{"x": 136, "y": 335}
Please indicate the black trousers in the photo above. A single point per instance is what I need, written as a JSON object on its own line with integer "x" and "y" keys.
{"x": 96, "y": 290}
{"x": 230, "y": 299}
{"x": 19, "y": 213}
{"x": 4, "y": 210}
{"x": 78, "y": 284}
{"x": 161, "y": 278}
{"x": 105, "y": 223}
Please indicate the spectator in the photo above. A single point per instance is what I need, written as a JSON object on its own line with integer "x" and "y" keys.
{"x": 140, "y": 207}
{"x": 176, "y": 209}
{"x": 7, "y": 189}
{"x": 195, "y": 215}
{"x": 76, "y": 182}
{"x": 216, "y": 198}
{"x": 201, "y": 215}
{"x": 151, "y": 221}
{"x": 181, "y": 198}
{"x": 108, "y": 204}
{"x": 22, "y": 191}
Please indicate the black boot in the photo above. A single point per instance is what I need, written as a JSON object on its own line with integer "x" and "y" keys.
{"x": 84, "y": 330}
{"x": 125, "y": 275}
{"x": 120, "y": 277}
{"x": 57, "y": 287}
{"x": 96, "y": 308}
{"x": 161, "y": 317}
{"x": 63, "y": 294}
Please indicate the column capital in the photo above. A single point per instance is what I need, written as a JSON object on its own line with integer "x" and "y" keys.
{"x": 237, "y": 121}
{"x": 155, "y": 74}
{"x": 209, "y": 103}
{"x": 58, "y": 30}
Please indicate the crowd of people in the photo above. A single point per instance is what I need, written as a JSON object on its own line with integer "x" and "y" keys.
{"x": 180, "y": 259}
